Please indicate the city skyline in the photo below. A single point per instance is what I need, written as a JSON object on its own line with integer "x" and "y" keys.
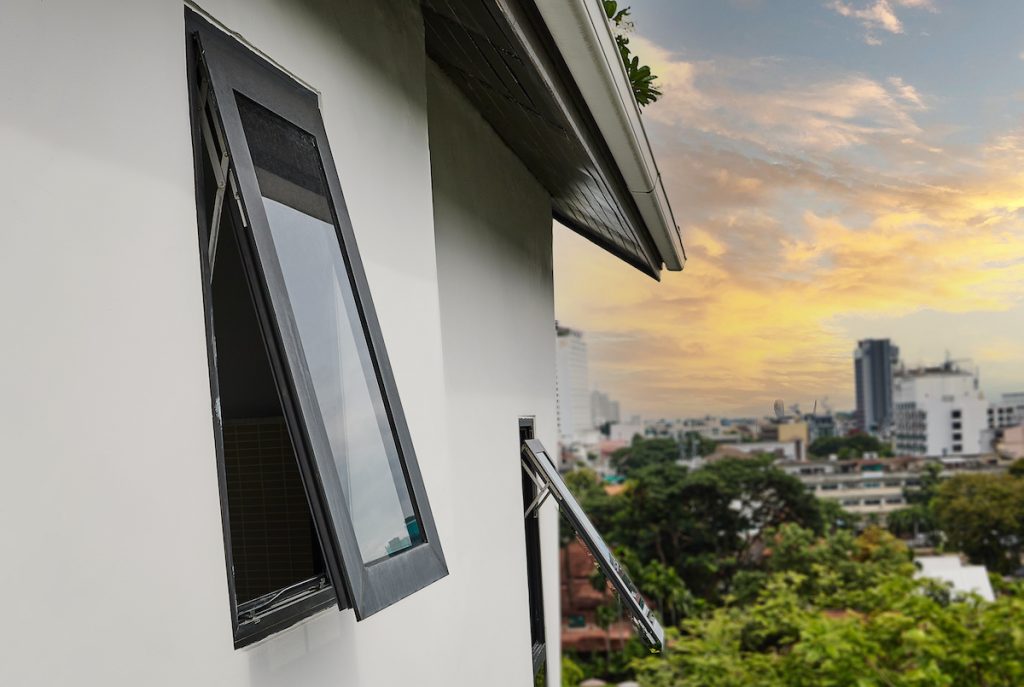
{"x": 838, "y": 172}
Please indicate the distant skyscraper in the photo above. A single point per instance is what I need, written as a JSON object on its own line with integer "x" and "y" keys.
{"x": 873, "y": 364}
{"x": 572, "y": 389}
{"x": 602, "y": 409}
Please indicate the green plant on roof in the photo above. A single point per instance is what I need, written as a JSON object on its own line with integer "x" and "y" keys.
{"x": 640, "y": 77}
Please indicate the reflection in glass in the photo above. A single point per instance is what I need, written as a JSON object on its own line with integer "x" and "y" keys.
{"x": 331, "y": 333}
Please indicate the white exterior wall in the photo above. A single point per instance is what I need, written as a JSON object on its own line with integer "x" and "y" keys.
{"x": 937, "y": 394}
{"x": 110, "y": 514}
{"x": 493, "y": 229}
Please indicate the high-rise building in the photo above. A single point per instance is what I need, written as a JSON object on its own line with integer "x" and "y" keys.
{"x": 572, "y": 390}
{"x": 873, "y": 365}
{"x": 939, "y": 411}
{"x": 602, "y": 409}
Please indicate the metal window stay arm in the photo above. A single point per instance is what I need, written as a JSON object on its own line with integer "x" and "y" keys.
{"x": 543, "y": 491}
{"x": 540, "y": 467}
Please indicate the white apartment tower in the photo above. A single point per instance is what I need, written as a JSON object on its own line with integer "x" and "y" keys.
{"x": 939, "y": 411}
{"x": 572, "y": 388}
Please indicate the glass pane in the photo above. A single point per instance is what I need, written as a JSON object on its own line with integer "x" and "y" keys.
{"x": 333, "y": 342}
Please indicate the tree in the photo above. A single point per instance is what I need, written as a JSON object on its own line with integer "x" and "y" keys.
{"x": 701, "y": 524}
{"x": 644, "y": 452}
{"x": 919, "y": 515}
{"x": 696, "y": 445}
{"x": 641, "y": 78}
{"x": 853, "y": 446}
{"x": 572, "y": 674}
{"x": 983, "y": 516}
{"x": 1016, "y": 468}
{"x": 840, "y": 610}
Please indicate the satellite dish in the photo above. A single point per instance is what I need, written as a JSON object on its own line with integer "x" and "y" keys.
{"x": 779, "y": 408}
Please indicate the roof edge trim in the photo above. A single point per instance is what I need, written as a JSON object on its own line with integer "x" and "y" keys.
{"x": 582, "y": 34}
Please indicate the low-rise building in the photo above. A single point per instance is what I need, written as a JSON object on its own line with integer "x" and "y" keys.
{"x": 870, "y": 486}
{"x": 962, "y": 579}
{"x": 876, "y": 486}
{"x": 1011, "y": 444}
{"x": 782, "y": 450}
{"x": 788, "y": 432}
{"x": 1007, "y": 412}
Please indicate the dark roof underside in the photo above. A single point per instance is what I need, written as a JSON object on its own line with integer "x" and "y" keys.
{"x": 502, "y": 58}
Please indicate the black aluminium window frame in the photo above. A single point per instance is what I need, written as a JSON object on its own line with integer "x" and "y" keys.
{"x": 234, "y": 70}
{"x": 537, "y": 460}
{"x": 291, "y": 610}
{"x": 534, "y": 569}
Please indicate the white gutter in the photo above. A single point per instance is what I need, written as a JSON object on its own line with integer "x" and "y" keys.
{"x": 584, "y": 37}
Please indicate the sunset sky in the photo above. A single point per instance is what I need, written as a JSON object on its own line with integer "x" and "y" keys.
{"x": 840, "y": 170}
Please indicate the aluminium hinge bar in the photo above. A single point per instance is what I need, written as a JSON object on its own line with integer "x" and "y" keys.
{"x": 223, "y": 172}
{"x": 543, "y": 491}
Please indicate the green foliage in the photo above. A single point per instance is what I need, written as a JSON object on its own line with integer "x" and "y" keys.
{"x": 1016, "y": 468}
{"x": 835, "y": 517}
{"x": 572, "y": 673}
{"x": 919, "y": 516}
{"x": 696, "y": 445}
{"x": 853, "y": 446}
{"x": 644, "y": 452}
{"x": 844, "y": 611}
{"x": 983, "y": 516}
{"x": 701, "y": 525}
{"x": 641, "y": 78}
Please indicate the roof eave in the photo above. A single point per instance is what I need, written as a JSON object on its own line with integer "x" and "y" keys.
{"x": 584, "y": 38}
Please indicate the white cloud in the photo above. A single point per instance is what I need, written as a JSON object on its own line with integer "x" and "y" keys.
{"x": 906, "y": 91}
{"x": 878, "y": 15}
{"x": 806, "y": 108}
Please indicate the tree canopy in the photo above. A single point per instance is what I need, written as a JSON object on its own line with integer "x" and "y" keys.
{"x": 703, "y": 524}
{"x": 983, "y": 516}
{"x": 853, "y": 446}
{"x": 839, "y": 610}
{"x": 759, "y": 583}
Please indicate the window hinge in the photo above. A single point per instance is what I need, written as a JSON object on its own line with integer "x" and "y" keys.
{"x": 543, "y": 491}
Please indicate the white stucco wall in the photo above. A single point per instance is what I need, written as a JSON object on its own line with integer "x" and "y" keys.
{"x": 493, "y": 241}
{"x": 113, "y": 558}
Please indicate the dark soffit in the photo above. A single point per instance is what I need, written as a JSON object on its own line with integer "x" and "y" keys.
{"x": 502, "y": 58}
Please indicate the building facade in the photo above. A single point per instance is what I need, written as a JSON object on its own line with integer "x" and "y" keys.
{"x": 301, "y": 263}
{"x": 873, "y": 487}
{"x": 874, "y": 361}
{"x": 572, "y": 385}
{"x": 939, "y": 411}
{"x": 1008, "y": 411}
{"x": 603, "y": 409}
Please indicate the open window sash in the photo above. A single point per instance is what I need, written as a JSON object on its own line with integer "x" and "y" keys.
{"x": 355, "y": 453}
{"x": 537, "y": 461}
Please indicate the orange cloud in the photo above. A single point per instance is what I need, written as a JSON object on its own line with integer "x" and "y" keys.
{"x": 791, "y": 229}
